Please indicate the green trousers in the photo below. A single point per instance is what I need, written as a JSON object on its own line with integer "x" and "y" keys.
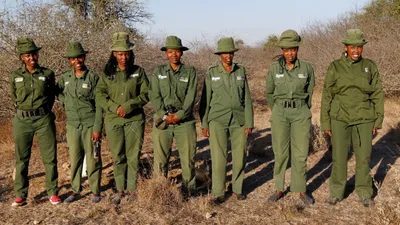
{"x": 290, "y": 137}
{"x": 80, "y": 144}
{"x": 23, "y": 131}
{"x": 219, "y": 134}
{"x": 360, "y": 136}
{"x": 185, "y": 135}
{"x": 125, "y": 143}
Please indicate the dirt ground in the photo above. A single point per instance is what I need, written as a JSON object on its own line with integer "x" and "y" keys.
{"x": 159, "y": 200}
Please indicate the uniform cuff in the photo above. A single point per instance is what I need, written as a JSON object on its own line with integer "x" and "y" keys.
{"x": 180, "y": 114}
{"x": 97, "y": 128}
{"x": 113, "y": 107}
{"x": 127, "y": 107}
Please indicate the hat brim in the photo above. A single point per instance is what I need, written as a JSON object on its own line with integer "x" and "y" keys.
{"x": 218, "y": 52}
{"x": 76, "y": 55}
{"x": 293, "y": 44}
{"x": 30, "y": 50}
{"x": 354, "y": 43}
{"x": 182, "y": 48}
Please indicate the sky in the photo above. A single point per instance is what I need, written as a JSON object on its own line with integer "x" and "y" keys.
{"x": 250, "y": 20}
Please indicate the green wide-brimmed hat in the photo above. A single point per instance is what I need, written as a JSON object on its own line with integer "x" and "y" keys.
{"x": 26, "y": 45}
{"x": 173, "y": 42}
{"x": 226, "y": 45}
{"x": 75, "y": 49}
{"x": 354, "y": 37}
{"x": 289, "y": 39}
{"x": 121, "y": 43}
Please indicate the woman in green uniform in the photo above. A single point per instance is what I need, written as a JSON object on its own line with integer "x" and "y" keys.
{"x": 122, "y": 93}
{"x": 33, "y": 91}
{"x": 351, "y": 113}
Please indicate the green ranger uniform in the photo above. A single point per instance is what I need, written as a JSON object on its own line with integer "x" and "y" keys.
{"x": 125, "y": 134}
{"x": 352, "y": 104}
{"x": 33, "y": 96}
{"x": 84, "y": 117}
{"x": 226, "y": 109}
{"x": 289, "y": 93}
{"x": 178, "y": 89}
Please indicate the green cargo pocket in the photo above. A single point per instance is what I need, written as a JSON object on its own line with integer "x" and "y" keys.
{"x": 281, "y": 87}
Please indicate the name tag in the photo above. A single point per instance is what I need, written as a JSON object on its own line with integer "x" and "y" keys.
{"x": 42, "y": 78}
{"x": 302, "y": 76}
{"x": 215, "y": 78}
{"x": 66, "y": 82}
{"x": 279, "y": 75}
{"x": 19, "y": 79}
{"x": 86, "y": 86}
{"x": 134, "y": 75}
{"x": 184, "y": 79}
{"x": 161, "y": 77}
{"x": 366, "y": 69}
{"x": 240, "y": 77}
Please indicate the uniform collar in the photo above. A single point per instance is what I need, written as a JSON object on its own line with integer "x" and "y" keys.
{"x": 282, "y": 62}
{"x": 169, "y": 68}
{"x": 348, "y": 61}
{"x": 81, "y": 77}
{"x": 222, "y": 69}
{"x": 37, "y": 70}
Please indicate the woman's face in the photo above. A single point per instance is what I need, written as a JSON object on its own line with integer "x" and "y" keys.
{"x": 354, "y": 52}
{"x": 30, "y": 59}
{"x": 122, "y": 57}
{"x": 290, "y": 54}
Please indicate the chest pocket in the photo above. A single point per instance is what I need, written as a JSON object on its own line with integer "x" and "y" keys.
{"x": 366, "y": 77}
{"x": 216, "y": 84}
{"x": 281, "y": 87}
{"x": 41, "y": 84}
{"x": 85, "y": 90}
{"x": 182, "y": 86}
{"x": 20, "y": 88}
{"x": 240, "y": 79}
{"x": 132, "y": 84}
{"x": 301, "y": 82}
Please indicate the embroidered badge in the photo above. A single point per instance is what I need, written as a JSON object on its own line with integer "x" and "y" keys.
{"x": 302, "y": 76}
{"x": 240, "y": 77}
{"x": 19, "y": 79}
{"x": 366, "y": 69}
{"x": 215, "y": 78}
{"x": 183, "y": 79}
{"x": 279, "y": 75}
{"x": 161, "y": 77}
{"x": 66, "y": 82}
{"x": 86, "y": 86}
{"x": 134, "y": 75}
{"x": 42, "y": 78}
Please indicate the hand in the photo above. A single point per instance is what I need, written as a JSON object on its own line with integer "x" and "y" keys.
{"x": 247, "y": 131}
{"x": 175, "y": 118}
{"x": 121, "y": 111}
{"x": 374, "y": 131}
{"x": 206, "y": 132}
{"x": 96, "y": 136}
{"x": 169, "y": 119}
{"x": 328, "y": 132}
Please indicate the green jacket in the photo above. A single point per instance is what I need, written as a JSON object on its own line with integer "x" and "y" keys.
{"x": 297, "y": 83}
{"x": 32, "y": 91}
{"x": 78, "y": 98}
{"x": 352, "y": 93}
{"x": 126, "y": 90}
{"x": 176, "y": 88}
{"x": 226, "y": 94}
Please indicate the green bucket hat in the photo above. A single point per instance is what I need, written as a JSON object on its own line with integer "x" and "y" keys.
{"x": 26, "y": 45}
{"x": 289, "y": 39}
{"x": 121, "y": 43}
{"x": 354, "y": 37}
{"x": 75, "y": 49}
{"x": 226, "y": 45}
{"x": 173, "y": 42}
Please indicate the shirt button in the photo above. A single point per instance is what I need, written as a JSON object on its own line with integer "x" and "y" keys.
{"x": 122, "y": 93}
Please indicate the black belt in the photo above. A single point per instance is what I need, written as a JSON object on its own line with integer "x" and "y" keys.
{"x": 37, "y": 112}
{"x": 291, "y": 103}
